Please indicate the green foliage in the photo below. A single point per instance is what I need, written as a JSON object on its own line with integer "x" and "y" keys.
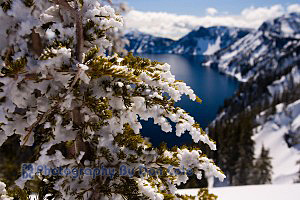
{"x": 102, "y": 66}
{"x": 129, "y": 139}
{"x": 12, "y": 156}
{"x": 6, "y": 4}
{"x": 81, "y": 2}
{"x": 91, "y": 54}
{"x": 185, "y": 197}
{"x": 19, "y": 194}
{"x": 101, "y": 108}
{"x": 139, "y": 64}
{"x": 14, "y": 67}
{"x": 262, "y": 170}
{"x": 298, "y": 180}
{"x": 130, "y": 190}
{"x": 96, "y": 31}
{"x": 56, "y": 44}
{"x": 28, "y": 3}
{"x": 235, "y": 147}
{"x": 203, "y": 194}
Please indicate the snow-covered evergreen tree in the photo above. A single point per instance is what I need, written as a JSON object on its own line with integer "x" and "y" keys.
{"x": 298, "y": 180}
{"x": 262, "y": 171}
{"x": 243, "y": 168}
{"x": 244, "y": 162}
{"x": 79, "y": 108}
{"x": 116, "y": 35}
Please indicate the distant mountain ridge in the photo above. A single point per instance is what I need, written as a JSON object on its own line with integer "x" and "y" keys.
{"x": 261, "y": 50}
{"x": 145, "y": 43}
{"x": 204, "y": 41}
{"x": 207, "y": 41}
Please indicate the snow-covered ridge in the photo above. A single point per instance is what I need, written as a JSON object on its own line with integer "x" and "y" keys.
{"x": 144, "y": 43}
{"x": 275, "y": 44}
{"x": 207, "y": 41}
{"x": 203, "y": 41}
{"x": 286, "y": 26}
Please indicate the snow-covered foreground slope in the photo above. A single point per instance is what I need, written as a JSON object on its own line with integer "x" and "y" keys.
{"x": 271, "y": 134}
{"x": 253, "y": 192}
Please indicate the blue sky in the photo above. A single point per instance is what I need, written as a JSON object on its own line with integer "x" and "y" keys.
{"x": 175, "y": 18}
{"x": 198, "y": 7}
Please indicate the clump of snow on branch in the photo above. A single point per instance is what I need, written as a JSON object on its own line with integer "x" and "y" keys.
{"x": 3, "y": 193}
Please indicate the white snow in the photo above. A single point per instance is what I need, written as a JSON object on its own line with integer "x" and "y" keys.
{"x": 286, "y": 28}
{"x": 213, "y": 48}
{"x": 229, "y": 55}
{"x": 282, "y": 84}
{"x": 271, "y": 135}
{"x": 3, "y": 192}
{"x": 252, "y": 192}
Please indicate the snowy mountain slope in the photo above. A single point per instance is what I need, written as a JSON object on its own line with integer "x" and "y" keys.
{"x": 291, "y": 79}
{"x": 271, "y": 133}
{"x": 279, "y": 131}
{"x": 252, "y": 192}
{"x": 204, "y": 41}
{"x": 265, "y": 110}
{"x": 145, "y": 43}
{"x": 286, "y": 26}
{"x": 261, "y": 50}
{"x": 207, "y": 41}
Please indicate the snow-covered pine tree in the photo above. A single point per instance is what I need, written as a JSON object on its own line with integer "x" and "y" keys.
{"x": 244, "y": 162}
{"x": 298, "y": 180}
{"x": 262, "y": 170}
{"x": 79, "y": 108}
{"x": 243, "y": 168}
{"x": 116, "y": 36}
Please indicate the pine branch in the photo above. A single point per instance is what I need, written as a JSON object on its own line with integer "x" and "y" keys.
{"x": 77, "y": 14}
{"x": 46, "y": 114}
{"x": 8, "y": 54}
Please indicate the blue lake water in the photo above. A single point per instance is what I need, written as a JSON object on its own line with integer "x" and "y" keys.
{"x": 209, "y": 84}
